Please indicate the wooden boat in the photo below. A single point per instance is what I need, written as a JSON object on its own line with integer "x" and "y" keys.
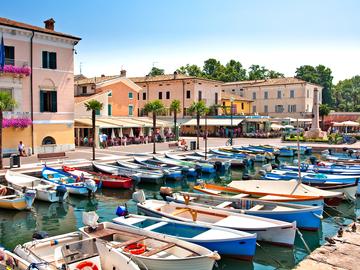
{"x": 267, "y": 230}
{"x": 234, "y": 162}
{"x": 104, "y": 180}
{"x": 223, "y": 153}
{"x": 188, "y": 169}
{"x": 10, "y": 261}
{"x": 45, "y": 190}
{"x": 141, "y": 175}
{"x": 287, "y": 188}
{"x": 170, "y": 174}
{"x": 152, "y": 250}
{"x": 306, "y": 217}
{"x": 217, "y": 190}
{"x": 232, "y": 243}
{"x": 73, "y": 185}
{"x": 73, "y": 251}
{"x": 205, "y": 166}
{"x": 327, "y": 169}
{"x": 258, "y": 155}
{"x": 13, "y": 199}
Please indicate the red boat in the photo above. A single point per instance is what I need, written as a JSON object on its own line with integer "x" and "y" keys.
{"x": 107, "y": 180}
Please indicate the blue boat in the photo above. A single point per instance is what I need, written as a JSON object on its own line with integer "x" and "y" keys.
{"x": 285, "y": 152}
{"x": 73, "y": 184}
{"x": 206, "y": 167}
{"x": 227, "y": 242}
{"x": 327, "y": 169}
{"x": 219, "y": 152}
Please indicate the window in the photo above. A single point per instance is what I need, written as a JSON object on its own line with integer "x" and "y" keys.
{"x": 188, "y": 95}
{"x": 307, "y": 93}
{"x": 167, "y": 94}
{"x": 97, "y": 112}
{"x": 200, "y": 95}
{"x": 138, "y": 96}
{"x": 266, "y": 95}
{"x": 144, "y": 96}
{"x": 49, "y": 60}
{"x": 9, "y": 55}
{"x": 48, "y": 140}
{"x": 233, "y": 90}
{"x": 110, "y": 94}
{"x": 279, "y": 94}
{"x": 160, "y": 95}
{"x": 131, "y": 96}
{"x": 266, "y": 109}
{"x": 279, "y": 108}
{"x": 216, "y": 98}
{"x": 131, "y": 110}
{"x": 254, "y": 95}
{"x": 307, "y": 108}
{"x": 242, "y": 105}
{"x": 84, "y": 89}
{"x": 48, "y": 101}
{"x": 292, "y": 93}
{"x": 291, "y": 108}
{"x": 109, "y": 109}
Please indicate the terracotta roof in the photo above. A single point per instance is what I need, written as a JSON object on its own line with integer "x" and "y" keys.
{"x": 95, "y": 79}
{"x": 243, "y": 82}
{"x": 20, "y": 25}
{"x": 225, "y": 95}
{"x": 167, "y": 77}
{"x": 79, "y": 99}
{"x": 79, "y": 77}
{"x": 277, "y": 81}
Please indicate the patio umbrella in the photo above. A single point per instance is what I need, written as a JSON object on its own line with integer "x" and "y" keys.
{"x": 276, "y": 126}
{"x": 150, "y": 132}
{"x": 162, "y": 132}
{"x": 113, "y": 133}
{"x": 350, "y": 124}
{"x": 289, "y": 126}
{"x": 121, "y": 133}
{"x": 141, "y": 133}
{"x": 131, "y": 135}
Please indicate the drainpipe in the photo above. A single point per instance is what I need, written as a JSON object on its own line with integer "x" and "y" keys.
{"x": 31, "y": 92}
{"x": 183, "y": 111}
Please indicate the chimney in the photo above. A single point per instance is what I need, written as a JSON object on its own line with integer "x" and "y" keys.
{"x": 175, "y": 74}
{"x": 50, "y": 24}
{"x": 123, "y": 73}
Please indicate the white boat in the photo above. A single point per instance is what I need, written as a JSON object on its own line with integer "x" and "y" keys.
{"x": 9, "y": 260}
{"x": 13, "y": 199}
{"x": 45, "y": 190}
{"x": 153, "y": 251}
{"x": 267, "y": 230}
{"x": 72, "y": 252}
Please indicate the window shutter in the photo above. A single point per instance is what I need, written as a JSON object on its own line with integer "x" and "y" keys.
{"x": 54, "y": 101}
{"x": 42, "y": 101}
{"x": 44, "y": 59}
{"x": 52, "y": 60}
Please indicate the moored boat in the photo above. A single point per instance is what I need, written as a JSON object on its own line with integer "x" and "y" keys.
{"x": 323, "y": 168}
{"x": 10, "y": 261}
{"x": 205, "y": 167}
{"x": 13, "y": 199}
{"x": 45, "y": 190}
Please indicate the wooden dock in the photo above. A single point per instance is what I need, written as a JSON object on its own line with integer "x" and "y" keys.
{"x": 343, "y": 253}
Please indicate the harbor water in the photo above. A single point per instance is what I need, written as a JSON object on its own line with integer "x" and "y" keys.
{"x": 56, "y": 218}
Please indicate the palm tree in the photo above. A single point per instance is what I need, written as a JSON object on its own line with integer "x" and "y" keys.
{"x": 155, "y": 107}
{"x": 93, "y": 106}
{"x": 324, "y": 110}
{"x": 6, "y": 104}
{"x": 199, "y": 108}
{"x": 175, "y": 107}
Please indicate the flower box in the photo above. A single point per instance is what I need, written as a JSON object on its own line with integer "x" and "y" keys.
{"x": 25, "y": 70}
{"x": 16, "y": 122}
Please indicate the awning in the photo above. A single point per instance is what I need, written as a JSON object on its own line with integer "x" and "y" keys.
{"x": 87, "y": 123}
{"x": 276, "y": 126}
{"x": 346, "y": 124}
{"x": 120, "y": 122}
{"x": 213, "y": 122}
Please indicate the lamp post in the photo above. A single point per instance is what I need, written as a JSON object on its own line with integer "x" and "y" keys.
{"x": 206, "y": 135}
{"x": 231, "y": 120}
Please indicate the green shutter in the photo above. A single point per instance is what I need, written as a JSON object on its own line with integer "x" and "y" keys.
{"x": 52, "y": 60}
{"x": 42, "y": 94}
{"x": 44, "y": 59}
{"x": 109, "y": 109}
{"x": 97, "y": 112}
{"x": 54, "y": 101}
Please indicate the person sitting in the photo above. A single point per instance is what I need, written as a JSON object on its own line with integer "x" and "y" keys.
{"x": 182, "y": 145}
{"x": 21, "y": 148}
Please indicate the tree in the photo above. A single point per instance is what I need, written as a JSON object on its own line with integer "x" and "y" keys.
{"x": 198, "y": 108}
{"x": 6, "y": 104}
{"x": 155, "y": 107}
{"x": 346, "y": 94}
{"x": 233, "y": 71}
{"x": 93, "y": 106}
{"x": 213, "y": 69}
{"x": 324, "y": 110}
{"x": 257, "y": 72}
{"x": 319, "y": 75}
{"x": 156, "y": 71}
{"x": 175, "y": 107}
{"x": 191, "y": 70}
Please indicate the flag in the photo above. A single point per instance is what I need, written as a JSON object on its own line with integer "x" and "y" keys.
{"x": 2, "y": 53}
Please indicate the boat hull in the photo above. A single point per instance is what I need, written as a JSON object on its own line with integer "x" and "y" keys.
{"x": 16, "y": 204}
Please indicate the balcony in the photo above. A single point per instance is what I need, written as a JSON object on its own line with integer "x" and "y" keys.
{"x": 16, "y": 119}
{"x": 16, "y": 68}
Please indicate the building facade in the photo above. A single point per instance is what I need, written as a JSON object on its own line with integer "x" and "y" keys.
{"x": 38, "y": 73}
{"x": 276, "y": 97}
{"x": 240, "y": 105}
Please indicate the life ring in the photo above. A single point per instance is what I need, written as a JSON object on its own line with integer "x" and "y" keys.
{"x": 87, "y": 265}
{"x": 321, "y": 164}
{"x": 135, "y": 249}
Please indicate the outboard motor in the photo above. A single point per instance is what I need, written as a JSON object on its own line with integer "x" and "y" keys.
{"x": 218, "y": 166}
{"x": 139, "y": 196}
{"x": 262, "y": 172}
{"x": 345, "y": 149}
{"x": 30, "y": 197}
{"x": 91, "y": 186}
{"x": 274, "y": 166}
{"x": 165, "y": 191}
{"x": 60, "y": 192}
{"x": 198, "y": 168}
{"x": 121, "y": 211}
{"x": 40, "y": 235}
{"x": 313, "y": 160}
{"x": 267, "y": 167}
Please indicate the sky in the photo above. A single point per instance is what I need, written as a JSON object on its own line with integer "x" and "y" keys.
{"x": 138, "y": 34}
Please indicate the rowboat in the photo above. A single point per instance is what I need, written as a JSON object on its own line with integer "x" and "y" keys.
{"x": 285, "y": 152}
{"x": 11, "y": 261}
{"x": 267, "y": 230}
{"x": 179, "y": 163}
{"x": 152, "y": 250}
{"x": 234, "y": 162}
{"x": 73, "y": 185}
{"x": 45, "y": 190}
{"x": 229, "y": 191}
{"x": 328, "y": 169}
{"x": 226, "y": 242}
{"x": 219, "y": 152}
{"x": 169, "y": 174}
{"x": 205, "y": 167}
{"x": 306, "y": 217}
{"x": 287, "y": 188}
{"x": 258, "y": 155}
{"x": 72, "y": 251}
{"x": 13, "y": 199}
{"x": 141, "y": 175}
{"x": 104, "y": 180}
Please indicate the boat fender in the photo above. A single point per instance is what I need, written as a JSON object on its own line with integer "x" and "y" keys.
{"x": 40, "y": 235}
{"x": 121, "y": 211}
{"x": 165, "y": 191}
{"x": 86, "y": 265}
{"x": 135, "y": 249}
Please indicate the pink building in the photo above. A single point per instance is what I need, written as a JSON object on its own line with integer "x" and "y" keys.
{"x": 39, "y": 74}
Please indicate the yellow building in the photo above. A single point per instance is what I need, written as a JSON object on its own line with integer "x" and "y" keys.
{"x": 241, "y": 105}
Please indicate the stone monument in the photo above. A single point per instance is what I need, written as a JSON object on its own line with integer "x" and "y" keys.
{"x": 315, "y": 132}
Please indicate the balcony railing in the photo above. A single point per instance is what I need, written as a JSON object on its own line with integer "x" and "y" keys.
{"x": 16, "y": 67}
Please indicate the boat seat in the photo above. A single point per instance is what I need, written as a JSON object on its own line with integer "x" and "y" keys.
{"x": 239, "y": 196}
{"x": 155, "y": 226}
{"x": 211, "y": 191}
{"x": 256, "y": 207}
{"x": 224, "y": 204}
{"x": 159, "y": 249}
{"x": 179, "y": 211}
{"x": 8, "y": 197}
{"x": 129, "y": 242}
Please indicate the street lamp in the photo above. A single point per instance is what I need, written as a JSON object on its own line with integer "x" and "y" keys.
{"x": 206, "y": 135}
{"x": 231, "y": 120}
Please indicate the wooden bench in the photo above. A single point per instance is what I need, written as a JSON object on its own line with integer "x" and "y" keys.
{"x": 159, "y": 249}
{"x": 60, "y": 156}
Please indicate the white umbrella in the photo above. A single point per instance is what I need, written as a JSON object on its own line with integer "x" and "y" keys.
{"x": 162, "y": 132}
{"x": 276, "y": 127}
{"x": 121, "y": 133}
{"x": 131, "y": 133}
{"x": 141, "y": 133}
{"x": 288, "y": 126}
{"x": 150, "y": 132}
{"x": 113, "y": 133}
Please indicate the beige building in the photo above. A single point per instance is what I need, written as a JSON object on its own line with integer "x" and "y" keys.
{"x": 276, "y": 97}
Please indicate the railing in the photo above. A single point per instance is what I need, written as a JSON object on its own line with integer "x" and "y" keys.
{"x": 18, "y": 67}
{"x": 9, "y": 114}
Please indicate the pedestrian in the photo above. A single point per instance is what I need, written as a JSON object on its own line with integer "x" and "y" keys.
{"x": 21, "y": 148}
